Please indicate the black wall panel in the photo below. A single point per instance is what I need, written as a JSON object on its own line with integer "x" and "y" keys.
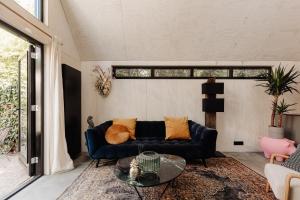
{"x": 72, "y": 104}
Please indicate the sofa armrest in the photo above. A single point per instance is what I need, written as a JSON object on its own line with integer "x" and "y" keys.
{"x": 91, "y": 141}
{"x": 274, "y": 155}
{"x": 287, "y": 184}
{"x": 196, "y": 131}
{"x": 95, "y": 138}
{"x": 204, "y": 135}
{"x": 209, "y": 139}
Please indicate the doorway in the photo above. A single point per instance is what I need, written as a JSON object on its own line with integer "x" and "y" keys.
{"x": 20, "y": 110}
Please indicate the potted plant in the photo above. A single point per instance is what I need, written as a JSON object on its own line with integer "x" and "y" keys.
{"x": 276, "y": 84}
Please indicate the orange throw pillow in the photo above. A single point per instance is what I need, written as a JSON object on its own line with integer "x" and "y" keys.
{"x": 129, "y": 123}
{"x": 117, "y": 134}
{"x": 177, "y": 128}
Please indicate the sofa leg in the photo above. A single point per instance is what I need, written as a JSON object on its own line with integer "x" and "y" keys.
{"x": 267, "y": 187}
{"x": 97, "y": 164}
{"x": 204, "y": 162}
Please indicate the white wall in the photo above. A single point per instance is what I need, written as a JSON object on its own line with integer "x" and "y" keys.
{"x": 58, "y": 24}
{"x": 247, "y": 108}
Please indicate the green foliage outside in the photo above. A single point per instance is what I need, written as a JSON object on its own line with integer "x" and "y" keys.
{"x": 11, "y": 48}
{"x": 211, "y": 72}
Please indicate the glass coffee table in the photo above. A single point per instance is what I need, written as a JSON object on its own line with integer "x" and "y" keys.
{"x": 171, "y": 167}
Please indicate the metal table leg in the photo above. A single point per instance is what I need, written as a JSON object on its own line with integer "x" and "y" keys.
{"x": 161, "y": 195}
{"x": 141, "y": 198}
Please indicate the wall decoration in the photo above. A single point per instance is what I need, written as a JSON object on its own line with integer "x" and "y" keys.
{"x": 103, "y": 83}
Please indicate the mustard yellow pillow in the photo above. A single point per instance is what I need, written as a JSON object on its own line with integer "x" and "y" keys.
{"x": 177, "y": 128}
{"x": 117, "y": 134}
{"x": 129, "y": 123}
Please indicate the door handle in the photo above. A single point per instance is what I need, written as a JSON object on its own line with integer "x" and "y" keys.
{"x": 35, "y": 108}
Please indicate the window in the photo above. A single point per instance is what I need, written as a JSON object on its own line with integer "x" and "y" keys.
{"x": 211, "y": 73}
{"x": 189, "y": 72}
{"x": 35, "y": 7}
{"x": 248, "y": 73}
{"x": 141, "y": 73}
{"x": 172, "y": 73}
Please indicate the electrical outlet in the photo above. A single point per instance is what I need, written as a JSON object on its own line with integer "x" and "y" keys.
{"x": 238, "y": 143}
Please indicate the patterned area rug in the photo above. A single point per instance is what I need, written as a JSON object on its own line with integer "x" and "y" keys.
{"x": 225, "y": 178}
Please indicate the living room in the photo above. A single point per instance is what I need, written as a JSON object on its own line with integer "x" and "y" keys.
{"x": 209, "y": 88}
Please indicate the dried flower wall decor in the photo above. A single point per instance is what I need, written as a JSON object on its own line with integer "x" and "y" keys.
{"x": 103, "y": 82}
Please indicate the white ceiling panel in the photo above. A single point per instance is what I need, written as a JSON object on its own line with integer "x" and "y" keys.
{"x": 185, "y": 29}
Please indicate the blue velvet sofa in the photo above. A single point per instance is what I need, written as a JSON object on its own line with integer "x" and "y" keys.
{"x": 151, "y": 136}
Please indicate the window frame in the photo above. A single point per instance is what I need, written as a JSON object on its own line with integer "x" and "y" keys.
{"x": 40, "y": 16}
{"x": 230, "y": 69}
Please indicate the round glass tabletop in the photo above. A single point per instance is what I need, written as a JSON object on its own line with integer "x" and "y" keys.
{"x": 171, "y": 167}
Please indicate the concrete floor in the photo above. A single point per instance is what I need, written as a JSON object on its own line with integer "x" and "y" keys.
{"x": 51, "y": 187}
{"x": 255, "y": 161}
{"x": 13, "y": 173}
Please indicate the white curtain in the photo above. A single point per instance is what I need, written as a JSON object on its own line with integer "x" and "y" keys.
{"x": 56, "y": 156}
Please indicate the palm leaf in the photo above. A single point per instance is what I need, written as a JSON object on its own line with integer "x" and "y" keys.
{"x": 283, "y": 107}
{"x": 278, "y": 82}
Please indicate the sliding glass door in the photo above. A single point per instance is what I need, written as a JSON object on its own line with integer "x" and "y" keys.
{"x": 21, "y": 118}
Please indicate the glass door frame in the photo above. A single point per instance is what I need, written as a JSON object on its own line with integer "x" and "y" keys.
{"x": 37, "y": 170}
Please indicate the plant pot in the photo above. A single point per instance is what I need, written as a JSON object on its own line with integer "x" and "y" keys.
{"x": 276, "y": 132}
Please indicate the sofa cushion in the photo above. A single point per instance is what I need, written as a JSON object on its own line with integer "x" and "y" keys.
{"x": 150, "y": 129}
{"x": 129, "y": 123}
{"x": 157, "y": 129}
{"x": 276, "y": 175}
{"x": 117, "y": 134}
{"x": 177, "y": 128}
